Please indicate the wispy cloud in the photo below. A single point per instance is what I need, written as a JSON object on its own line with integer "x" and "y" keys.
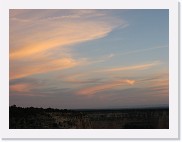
{"x": 79, "y": 32}
{"x": 161, "y": 86}
{"x": 134, "y": 67}
{"x": 32, "y": 68}
{"x": 105, "y": 86}
{"x": 43, "y": 33}
{"x": 78, "y": 78}
{"x": 158, "y": 83}
{"x": 23, "y": 87}
{"x": 143, "y": 50}
{"x": 34, "y": 34}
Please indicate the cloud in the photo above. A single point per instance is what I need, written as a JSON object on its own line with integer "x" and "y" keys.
{"x": 131, "y": 82}
{"x": 158, "y": 83}
{"x": 43, "y": 33}
{"x": 134, "y": 67}
{"x": 20, "y": 87}
{"x": 79, "y": 78}
{"x": 63, "y": 35}
{"x": 161, "y": 85}
{"x": 143, "y": 50}
{"x": 103, "y": 87}
{"x": 40, "y": 39}
{"x": 32, "y": 68}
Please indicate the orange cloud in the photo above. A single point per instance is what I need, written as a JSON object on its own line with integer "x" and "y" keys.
{"x": 31, "y": 69}
{"x": 135, "y": 67}
{"x": 131, "y": 82}
{"x": 63, "y": 37}
{"x": 20, "y": 87}
{"x": 34, "y": 34}
{"x": 41, "y": 34}
{"x": 103, "y": 87}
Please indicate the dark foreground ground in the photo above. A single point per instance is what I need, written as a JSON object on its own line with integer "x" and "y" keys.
{"x": 39, "y": 118}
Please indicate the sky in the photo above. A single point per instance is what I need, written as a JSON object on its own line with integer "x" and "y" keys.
{"x": 89, "y": 58}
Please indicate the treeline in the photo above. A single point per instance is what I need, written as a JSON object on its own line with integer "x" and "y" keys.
{"x": 16, "y": 109}
{"x": 35, "y": 118}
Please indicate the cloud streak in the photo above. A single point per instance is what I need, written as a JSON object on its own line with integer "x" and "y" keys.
{"x": 134, "y": 67}
{"x": 143, "y": 50}
{"x": 23, "y": 87}
{"x": 106, "y": 86}
{"x": 31, "y": 69}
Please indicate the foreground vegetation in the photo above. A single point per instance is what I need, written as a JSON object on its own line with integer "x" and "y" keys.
{"x": 39, "y": 118}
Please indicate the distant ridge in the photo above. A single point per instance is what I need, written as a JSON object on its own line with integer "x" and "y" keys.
{"x": 162, "y": 106}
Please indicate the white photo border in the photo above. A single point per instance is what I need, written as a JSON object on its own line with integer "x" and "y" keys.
{"x": 171, "y": 133}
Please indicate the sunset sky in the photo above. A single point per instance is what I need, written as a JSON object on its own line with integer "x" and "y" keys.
{"x": 89, "y": 58}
